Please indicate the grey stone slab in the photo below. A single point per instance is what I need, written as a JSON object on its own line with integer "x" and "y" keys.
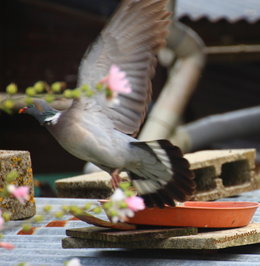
{"x": 213, "y": 239}
{"x": 145, "y": 234}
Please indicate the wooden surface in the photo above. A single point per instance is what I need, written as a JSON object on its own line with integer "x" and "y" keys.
{"x": 205, "y": 240}
{"x": 115, "y": 236}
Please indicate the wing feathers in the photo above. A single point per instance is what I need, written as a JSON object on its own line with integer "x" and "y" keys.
{"x": 130, "y": 40}
{"x": 167, "y": 179}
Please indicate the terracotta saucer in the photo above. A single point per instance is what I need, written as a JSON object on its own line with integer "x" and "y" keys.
{"x": 199, "y": 214}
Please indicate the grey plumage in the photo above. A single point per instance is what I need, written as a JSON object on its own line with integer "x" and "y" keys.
{"x": 130, "y": 40}
{"x": 94, "y": 131}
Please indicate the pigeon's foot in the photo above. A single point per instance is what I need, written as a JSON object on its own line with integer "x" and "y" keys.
{"x": 116, "y": 179}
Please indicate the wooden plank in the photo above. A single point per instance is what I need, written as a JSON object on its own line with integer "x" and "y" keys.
{"x": 209, "y": 240}
{"x": 115, "y": 236}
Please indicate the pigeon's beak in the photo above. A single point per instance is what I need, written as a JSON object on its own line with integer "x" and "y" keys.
{"x": 22, "y": 110}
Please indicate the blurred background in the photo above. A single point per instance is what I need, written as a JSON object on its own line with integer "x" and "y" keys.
{"x": 45, "y": 40}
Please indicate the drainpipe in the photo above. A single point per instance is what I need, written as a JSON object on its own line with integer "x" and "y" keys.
{"x": 186, "y": 48}
{"x": 215, "y": 128}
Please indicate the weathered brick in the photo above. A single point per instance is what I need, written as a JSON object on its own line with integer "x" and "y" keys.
{"x": 223, "y": 173}
{"x": 96, "y": 185}
{"x": 218, "y": 174}
{"x": 21, "y": 162}
{"x": 217, "y": 239}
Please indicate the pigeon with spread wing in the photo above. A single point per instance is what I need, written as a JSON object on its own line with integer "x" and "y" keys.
{"x": 96, "y": 131}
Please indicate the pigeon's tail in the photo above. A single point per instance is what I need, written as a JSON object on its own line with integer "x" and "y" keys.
{"x": 163, "y": 174}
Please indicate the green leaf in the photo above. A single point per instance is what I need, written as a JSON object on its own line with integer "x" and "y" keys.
{"x": 59, "y": 214}
{"x": 97, "y": 210}
{"x": 112, "y": 213}
{"x": 56, "y": 86}
{"x": 124, "y": 185}
{"x": 11, "y": 176}
{"x": 85, "y": 87}
{"x": 68, "y": 93}
{"x": 28, "y": 100}
{"x": 6, "y": 216}
{"x": 107, "y": 205}
{"x": 76, "y": 93}
{"x": 11, "y": 89}
{"x": 38, "y": 218}
{"x": 76, "y": 210}
{"x": 39, "y": 86}
{"x": 129, "y": 193}
{"x": 65, "y": 208}
{"x": 49, "y": 98}
{"x": 89, "y": 93}
{"x": 123, "y": 205}
{"x": 47, "y": 208}
{"x": 26, "y": 227}
{"x": 109, "y": 93}
{"x": 87, "y": 206}
{"x": 100, "y": 87}
{"x": 8, "y": 104}
{"x": 30, "y": 91}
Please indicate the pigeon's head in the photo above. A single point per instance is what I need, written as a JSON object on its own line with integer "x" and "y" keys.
{"x": 41, "y": 111}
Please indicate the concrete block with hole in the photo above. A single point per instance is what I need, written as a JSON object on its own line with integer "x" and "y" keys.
{"x": 93, "y": 186}
{"x": 21, "y": 162}
{"x": 223, "y": 173}
{"x": 218, "y": 174}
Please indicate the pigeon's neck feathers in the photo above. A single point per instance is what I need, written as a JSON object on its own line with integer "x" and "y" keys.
{"x": 51, "y": 117}
{"x": 45, "y": 114}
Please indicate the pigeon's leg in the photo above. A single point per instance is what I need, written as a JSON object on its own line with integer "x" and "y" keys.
{"x": 116, "y": 179}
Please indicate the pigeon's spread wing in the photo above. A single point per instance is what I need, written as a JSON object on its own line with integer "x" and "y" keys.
{"x": 130, "y": 40}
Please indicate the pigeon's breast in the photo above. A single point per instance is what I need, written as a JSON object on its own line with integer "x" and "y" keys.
{"x": 95, "y": 143}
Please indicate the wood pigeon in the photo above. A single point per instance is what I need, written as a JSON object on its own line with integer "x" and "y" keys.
{"x": 97, "y": 132}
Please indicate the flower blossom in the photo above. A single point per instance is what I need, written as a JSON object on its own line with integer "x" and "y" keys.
{"x": 122, "y": 215}
{"x": 135, "y": 203}
{"x": 116, "y": 81}
{"x": 123, "y": 207}
{"x": 6, "y": 245}
{"x": 118, "y": 195}
{"x": 21, "y": 193}
{"x": 2, "y": 221}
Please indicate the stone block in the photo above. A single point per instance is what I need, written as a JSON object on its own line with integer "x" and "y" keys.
{"x": 21, "y": 162}
{"x": 144, "y": 234}
{"x": 218, "y": 174}
{"x": 95, "y": 185}
{"x": 204, "y": 240}
{"x": 223, "y": 173}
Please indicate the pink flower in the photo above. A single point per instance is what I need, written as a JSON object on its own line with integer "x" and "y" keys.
{"x": 116, "y": 81}
{"x": 21, "y": 193}
{"x": 2, "y": 221}
{"x": 6, "y": 245}
{"x": 135, "y": 203}
{"x": 121, "y": 207}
